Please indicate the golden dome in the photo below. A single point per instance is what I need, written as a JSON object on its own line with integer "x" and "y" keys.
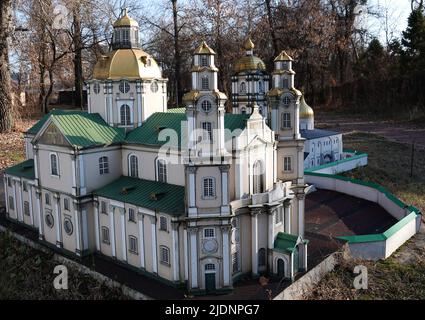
{"x": 249, "y": 63}
{"x": 204, "y": 49}
{"x": 305, "y": 110}
{"x": 283, "y": 56}
{"x": 126, "y": 64}
{"x": 249, "y": 45}
{"x": 125, "y": 21}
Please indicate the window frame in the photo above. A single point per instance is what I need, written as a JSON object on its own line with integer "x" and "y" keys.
{"x": 66, "y": 204}
{"x": 47, "y": 199}
{"x": 26, "y": 207}
{"x": 163, "y": 221}
{"x": 103, "y": 205}
{"x": 105, "y": 231}
{"x": 209, "y": 236}
{"x": 11, "y": 203}
{"x": 207, "y": 131}
{"x": 54, "y": 155}
{"x": 134, "y": 250}
{"x": 164, "y": 249}
{"x": 205, "y": 83}
{"x": 206, "y": 106}
{"x": 286, "y": 121}
{"x": 212, "y": 187}
{"x": 161, "y": 170}
{"x": 287, "y": 166}
{"x": 103, "y": 165}
{"x": 132, "y": 217}
{"x": 124, "y": 86}
{"x": 130, "y": 166}
{"x": 126, "y": 119}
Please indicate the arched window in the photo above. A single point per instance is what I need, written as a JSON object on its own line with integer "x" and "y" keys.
{"x": 262, "y": 257}
{"x": 208, "y": 187}
{"x": 243, "y": 110}
{"x": 154, "y": 86}
{"x": 204, "y": 61}
{"x": 205, "y": 83}
{"x": 243, "y": 87}
{"x": 103, "y": 165}
{"x": 206, "y": 105}
{"x": 258, "y": 177}
{"x": 261, "y": 86}
{"x": 133, "y": 166}
{"x": 161, "y": 170}
{"x": 125, "y": 116}
{"x": 54, "y": 164}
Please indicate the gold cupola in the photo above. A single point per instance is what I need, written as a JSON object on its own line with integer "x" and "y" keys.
{"x": 305, "y": 110}
{"x": 249, "y": 62}
{"x": 126, "y": 32}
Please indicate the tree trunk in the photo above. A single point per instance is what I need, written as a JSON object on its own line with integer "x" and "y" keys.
{"x": 78, "y": 65}
{"x": 177, "y": 57}
{"x": 272, "y": 28}
{"x": 6, "y": 103}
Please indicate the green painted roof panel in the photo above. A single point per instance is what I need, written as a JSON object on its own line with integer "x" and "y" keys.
{"x": 24, "y": 170}
{"x": 285, "y": 242}
{"x": 153, "y": 195}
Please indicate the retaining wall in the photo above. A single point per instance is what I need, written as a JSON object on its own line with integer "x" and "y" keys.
{"x": 353, "y": 159}
{"x": 373, "y": 246}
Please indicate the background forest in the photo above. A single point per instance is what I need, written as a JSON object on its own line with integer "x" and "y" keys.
{"x": 51, "y": 45}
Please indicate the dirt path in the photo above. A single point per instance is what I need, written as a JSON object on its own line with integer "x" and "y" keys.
{"x": 401, "y": 132}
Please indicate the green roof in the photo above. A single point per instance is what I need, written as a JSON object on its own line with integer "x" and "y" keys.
{"x": 84, "y": 129}
{"x": 24, "y": 170}
{"x": 177, "y": 110}
{"x": 153, "y": 195}
{"x": 36, "y": 127}
{"x": 148, "y": 133}
{"x": 285, "y": 242}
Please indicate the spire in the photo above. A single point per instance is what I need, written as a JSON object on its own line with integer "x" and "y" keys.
{"x": 249, "y": 45}
{"x": 204, "y": 49}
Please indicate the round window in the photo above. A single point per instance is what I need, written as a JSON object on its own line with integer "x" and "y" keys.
{"x": 50, "y": 222}
{"x": 67, "y": 225}
{"x": 206, "y": 106}
{"x": 96, "y": 87}
{"x": 124, "y": 87}
{"x": 154, "y": 86}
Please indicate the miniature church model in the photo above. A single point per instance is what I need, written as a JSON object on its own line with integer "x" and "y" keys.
{"x": 195, "y": 197}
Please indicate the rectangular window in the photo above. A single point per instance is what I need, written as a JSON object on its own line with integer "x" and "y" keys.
{"x": 131, "y": 215}
{"x": 66, "y": 204}
{"x": 287, "y": 164}
{"x": 54, "y": 165}
{"x": 105, "y": 235}
{"x": 286, "y": 120}
{"x": 207, "y": 131}
{"x": 204, "y": 61}
{"x": 9, "y": 182}
{"x": 208, "y": 188}
{"x": 11, "y": 203}
{"x": 209, "y": 233}
{"x": 47, "y": 198}
{"x": 285, "y": 84}
{"x": 205, "y": 83}
{"x": 26, "y": 208}
{"x": 103, "y": 207}
{"x": 132, "y": 244}
{"x": 103, "y": 165}
{"x": 165, "y": 255}
{"x": 163, "y": 223}
{"x": 24, "y": 186}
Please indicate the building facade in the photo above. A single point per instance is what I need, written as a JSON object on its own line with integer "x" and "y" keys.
{"x": 194, "y": 196}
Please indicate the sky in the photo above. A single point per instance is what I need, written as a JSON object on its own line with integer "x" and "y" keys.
{"x": 398, "y": 12}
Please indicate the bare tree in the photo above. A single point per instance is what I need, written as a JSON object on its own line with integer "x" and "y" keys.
{"x": 6, "y": 119}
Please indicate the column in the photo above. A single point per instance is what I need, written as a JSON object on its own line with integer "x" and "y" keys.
{"x": 186, "y": 256}
{"x": 77, "y": 229}
{"x": 141, "y": 241}
{"x": 82, "y": 175}
{"x": 300, "y": 198}
{"x": 112, "y": 226}
{"x": 191, "y": 172}
{"x": 21, "y": 204}
{"x": 74, "y": 175}
{"x": 36, "y": 162}
{"x": 123, "y": 234}
{"x": 287, "y": 213}
{"x": 226, "y": 255}
{"x": 96, "y": 225}
{"x": 254, "y": 249}
{"x": 154, "y": 245}
{"x": 193, "y": 257}
{"x": 40, "y": 219}
{"x": 58, "y": 220}
{"x": 139, "y": 103}
{"x": 224, "y": 189}
{"x": 175, "y": 239}
{"x": 270, "y": 222}
{"x": 30, "y": 193}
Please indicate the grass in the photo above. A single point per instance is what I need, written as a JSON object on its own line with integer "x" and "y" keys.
{"x": 28, "y": 274}
{"x": 389, "y": 164}
{"x": 402, "y": 276}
